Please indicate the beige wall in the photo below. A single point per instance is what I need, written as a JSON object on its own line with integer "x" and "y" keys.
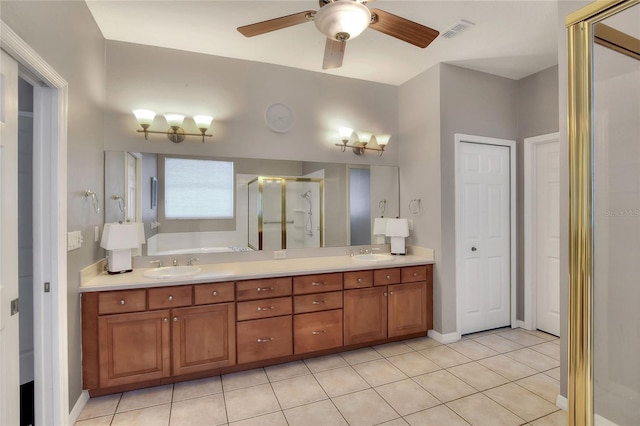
{"x": 66, "y": 36}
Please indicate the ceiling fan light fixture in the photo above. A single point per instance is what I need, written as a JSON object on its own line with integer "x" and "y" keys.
{"x": 343, "y": 20}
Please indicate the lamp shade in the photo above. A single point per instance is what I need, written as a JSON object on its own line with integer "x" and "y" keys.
{"x": 380, "y": 226}
{"x": 363, "y": 136}
{"x": 144, "y": 116}
{"x": 121, "y": 236}
{"x": 383, "y": 139}
{"x": 342, "y": 20}
{"x": 397, "y": 228}
{"x": 174, "y": 119}
{"x": 345, "y": 133}
{"x": 203, "y": 121}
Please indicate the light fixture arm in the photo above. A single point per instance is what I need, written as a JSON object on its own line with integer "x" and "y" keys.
{"x": 176, "y": 135}
{"x": 359, "y": 148}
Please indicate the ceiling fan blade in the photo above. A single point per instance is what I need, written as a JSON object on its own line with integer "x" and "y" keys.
{"x": 276, "y": 24}
{"x": 403, "y": 29}
{"x": 333, "y": 54}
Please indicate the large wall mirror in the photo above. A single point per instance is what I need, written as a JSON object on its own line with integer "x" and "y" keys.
{"x": 338, "y": 212}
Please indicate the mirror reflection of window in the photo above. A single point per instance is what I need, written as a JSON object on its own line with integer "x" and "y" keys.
{"x": 198, "y": 189}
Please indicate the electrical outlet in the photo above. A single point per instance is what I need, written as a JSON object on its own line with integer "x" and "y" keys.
{"x": 410, "y": 223}
{"x": 96, "y": 234}
{"x": 279, "y": 254}
{"x": 74, "y": 240}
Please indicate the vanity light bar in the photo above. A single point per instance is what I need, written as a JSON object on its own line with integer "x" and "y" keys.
{"x": 176, "y": 133}
{"x": 363, "y": 139}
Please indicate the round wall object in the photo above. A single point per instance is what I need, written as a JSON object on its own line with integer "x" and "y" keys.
{"x": 279, "y": 117}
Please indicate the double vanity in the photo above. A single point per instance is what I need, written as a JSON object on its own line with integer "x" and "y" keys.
{"x": 141, "y": 330}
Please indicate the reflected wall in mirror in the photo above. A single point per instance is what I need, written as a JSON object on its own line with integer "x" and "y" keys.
{"x": 128, "y": 193}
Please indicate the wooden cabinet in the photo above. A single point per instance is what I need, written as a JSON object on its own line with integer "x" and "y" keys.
{"x": 143, "y": 337}
{"x": 387, "y": 309}
{"x": 134, "y": 347}
{"x": 203, "y": 338}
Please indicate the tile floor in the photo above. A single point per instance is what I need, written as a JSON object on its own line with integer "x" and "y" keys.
{"x": 499, "y": 377}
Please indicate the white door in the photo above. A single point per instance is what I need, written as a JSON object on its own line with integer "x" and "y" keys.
{"x": 484, "y": 236}
{"x": 547, "y": 237}
{"x": 9, "y": 331}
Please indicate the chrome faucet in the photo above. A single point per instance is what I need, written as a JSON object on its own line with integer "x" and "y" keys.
{"x": 191, "y": 260}
{"x": 158, "y": 262}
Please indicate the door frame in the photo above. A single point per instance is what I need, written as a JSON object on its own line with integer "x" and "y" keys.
{"x": 530, "y": 205}
{"x": 51, "y": 385}
{"x": 511, "y": 144}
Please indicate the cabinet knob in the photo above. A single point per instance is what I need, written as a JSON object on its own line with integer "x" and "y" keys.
{"x": 165, "y": 319}
{"x": 391, "y": 292}
{"x": 415, "y": 274}
{"x": 318, "y": 302}
{"x": 122, "y": 301}
{"x": 265, "y": 308}
{"x": 315, "y": 284}
{"x": 359, "y": 280}
{"x": 170, "y": 298}
{"x": 264, "y": 289}
{"x": 315, "y": 333}
{"x": 385, "y": 294}
{"x": 388, "y": 277}
{"x": 265, "y": 340}
{"x": 175, "y": 319}
{"x": 214, "y": 293}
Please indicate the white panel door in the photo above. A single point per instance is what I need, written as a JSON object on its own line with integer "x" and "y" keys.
{"x": 547, "y": 237}
{"x": 485, "y": 236}
{"x": 9, "y": 330}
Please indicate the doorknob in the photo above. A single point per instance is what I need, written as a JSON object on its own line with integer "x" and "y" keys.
{"x": 473, "y": 249}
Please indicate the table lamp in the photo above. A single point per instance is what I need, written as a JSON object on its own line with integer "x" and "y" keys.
{"x": 398, "y": 230}
{"x": 119, "y": 239}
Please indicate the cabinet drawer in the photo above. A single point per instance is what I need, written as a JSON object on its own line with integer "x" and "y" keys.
{"x": 317, "y": 283}
{"x": 317, "y": 302}
{"x": 263, "y": 289}
{"x": 358, "y": 279}
{"x": 264, "y": 339}
{"x": 170, "y": 297}
{"x": 118, "y": 302}
{"x": 317, "y": 331}
{"x": 265, "y": 308}
{"x": 386, "y": 276}
{"x": 412, "y": 274}
{"x": 205, "y": 294}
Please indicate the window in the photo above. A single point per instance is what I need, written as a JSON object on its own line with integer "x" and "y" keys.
{"x": 198, "y": 189}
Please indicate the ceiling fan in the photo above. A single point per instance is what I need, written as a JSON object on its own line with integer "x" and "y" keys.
{"x": 342, "y": 20}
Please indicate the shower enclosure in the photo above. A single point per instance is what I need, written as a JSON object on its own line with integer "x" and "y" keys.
{"x": 604, "y": 244}
{"x": 286, "y": 212}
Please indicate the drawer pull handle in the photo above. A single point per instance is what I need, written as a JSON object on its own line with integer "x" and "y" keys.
{"x": 267, "y": 340}
{"x": 318, "y": 302}
{"x": 265, "y": 308}
{"x": 359, "y": 280}
{"x": 264, "y": 289}
{"x": 122, "y": 301}
{"x": 175, "y": 319}
{"x": 315, "y": 284}
{"x": 165, "y": 319}
{"x": 170, "y": 298}
{"x": 214, "y": 293}
{"x": 388, "y": 277}
{"x": 315, "y": 333}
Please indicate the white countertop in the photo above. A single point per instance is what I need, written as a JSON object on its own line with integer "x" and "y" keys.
{"x": 235, "y": 271}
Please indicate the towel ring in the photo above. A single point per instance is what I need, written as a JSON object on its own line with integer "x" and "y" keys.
{"x": 415, "y": 206}
{"x": 382, "y": 206}
{"x": 94, "y": 199}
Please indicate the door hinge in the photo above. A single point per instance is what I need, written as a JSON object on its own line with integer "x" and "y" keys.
{"x": 14, "y": 307}
{"x": 47, "y": 287}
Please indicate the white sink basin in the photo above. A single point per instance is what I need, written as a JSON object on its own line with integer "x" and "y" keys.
{"x": 374, "y": 257}
{"x": 171, "y": 272}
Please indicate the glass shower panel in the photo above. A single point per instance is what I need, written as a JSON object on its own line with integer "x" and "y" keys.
{"x": 272, "y": 214}
{"x": 303, "y": 214}
{"x": 616, "y": 215}
{"x": 253, "y": 231}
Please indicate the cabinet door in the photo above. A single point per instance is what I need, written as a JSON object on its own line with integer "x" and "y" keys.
{"x": 134, "y": 347}
{"x": 407, "y": 309}
{"x": 204, "y": 338}
{"x": 365, "y": 315}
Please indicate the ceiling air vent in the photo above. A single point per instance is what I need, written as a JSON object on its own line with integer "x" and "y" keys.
{"x": 457, "y": 28}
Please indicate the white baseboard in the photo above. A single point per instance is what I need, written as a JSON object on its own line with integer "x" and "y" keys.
{"x": 522, "y": 325}
{"x": 443, "y": 338}
{"x": 561, "y": 402}
{"x": 79, "y": 405}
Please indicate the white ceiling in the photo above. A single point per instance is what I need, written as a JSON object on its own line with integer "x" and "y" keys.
{"x": 511, "y": 38}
